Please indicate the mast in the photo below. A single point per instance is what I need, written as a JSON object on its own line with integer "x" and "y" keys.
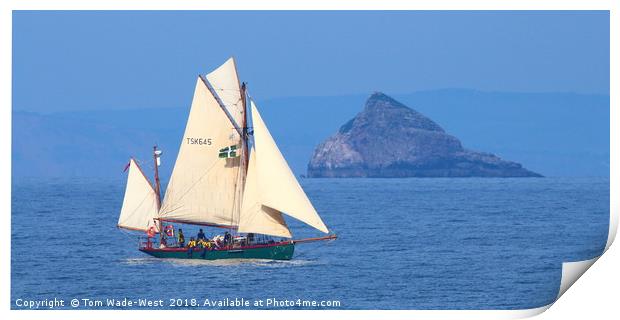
{"x": 244, "y": 149}
{"x": 243, "y": 160}
{"x": 156, "y": 154}
{"x": 246, "y": 131}
{"x": 156, "y": 161}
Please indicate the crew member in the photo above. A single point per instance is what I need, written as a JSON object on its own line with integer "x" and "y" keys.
{"x": 191, "y": 245}
{"x": 181, "y": 240}
{"x": 201, "y": 235}
{"x": 201, "y": 243}
{"x": 163, "y": 242}
{"x": 227, "y": 238}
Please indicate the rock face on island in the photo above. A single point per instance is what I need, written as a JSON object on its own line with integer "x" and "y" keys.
{"x": 388, "y": 139}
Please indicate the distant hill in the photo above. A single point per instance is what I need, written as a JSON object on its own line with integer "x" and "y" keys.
{"x": 389, "y": 140}
{"x": 555, "y": 134}
{"x": 82, "y": 145}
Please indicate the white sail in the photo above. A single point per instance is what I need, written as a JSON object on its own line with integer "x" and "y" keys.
{"x": 255, "y": 217}
{"x": 202, "y": 187}
{"x": 225, "y": 82}
{"x": 279, "y": 189}
{"x": 140, "y": 202}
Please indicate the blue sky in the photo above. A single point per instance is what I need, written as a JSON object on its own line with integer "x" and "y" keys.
{"x": 115, "y": 60}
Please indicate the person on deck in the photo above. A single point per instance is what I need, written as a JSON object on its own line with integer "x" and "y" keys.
{"x": 217, "y": 241}
{"x": 201, "y": 243}
{"x": 191, "y": 245}
{"x": 181, "y": 239}
{"x": 227, "y": 238}
{"x": 163, "y": 242}
{"x": 201, "y": 235}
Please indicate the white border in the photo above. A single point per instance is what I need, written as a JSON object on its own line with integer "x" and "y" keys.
{"x": 571, "y": 271}
{"x": 309, "y": 5}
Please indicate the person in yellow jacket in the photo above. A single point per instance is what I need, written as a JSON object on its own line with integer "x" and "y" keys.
{"x": 202, "y": 243}
{"x": 191, "y": 245}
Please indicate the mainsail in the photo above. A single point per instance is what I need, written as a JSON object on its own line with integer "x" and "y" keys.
{"x": 203, "y": 187}
{"x": 278, "y": 187}
{"x": 140, "y": 202}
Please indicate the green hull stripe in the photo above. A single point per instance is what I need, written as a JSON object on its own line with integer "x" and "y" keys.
{"x": 277, "y": 252}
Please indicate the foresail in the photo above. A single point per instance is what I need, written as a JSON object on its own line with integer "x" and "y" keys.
{"x": 279, "y": 189}
{"x": 225, "y": 83}
{"x": 255, "y": 217}
{"x": 140, "y": 202}
{"x": 203, "y": 185}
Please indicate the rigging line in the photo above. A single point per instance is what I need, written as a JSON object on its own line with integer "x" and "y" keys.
{"x": 233, "y": 95}
{"x": 226, "y": 89}
{"x": 228, "y": 92}
{"x": 149, "y": 166}
{"x": 235, "y": 199}
{"x": 240, "y": 191}
{"x": 236, "y": 103}
{"x": 172, "y": 210}
{"x": 237, "y": 202}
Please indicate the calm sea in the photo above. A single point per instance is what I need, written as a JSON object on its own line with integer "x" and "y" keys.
{"x": 403, "y": 244}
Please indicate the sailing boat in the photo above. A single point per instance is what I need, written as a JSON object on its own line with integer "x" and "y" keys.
{"x": 227, "y": 175}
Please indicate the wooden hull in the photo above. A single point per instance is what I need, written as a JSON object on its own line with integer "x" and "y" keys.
{"x": 275, "y": 251}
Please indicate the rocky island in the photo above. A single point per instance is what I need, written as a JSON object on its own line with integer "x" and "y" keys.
{"x": 388, "y": 139}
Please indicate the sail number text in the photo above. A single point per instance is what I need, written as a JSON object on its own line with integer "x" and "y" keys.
{"x": 199, "y": 141}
